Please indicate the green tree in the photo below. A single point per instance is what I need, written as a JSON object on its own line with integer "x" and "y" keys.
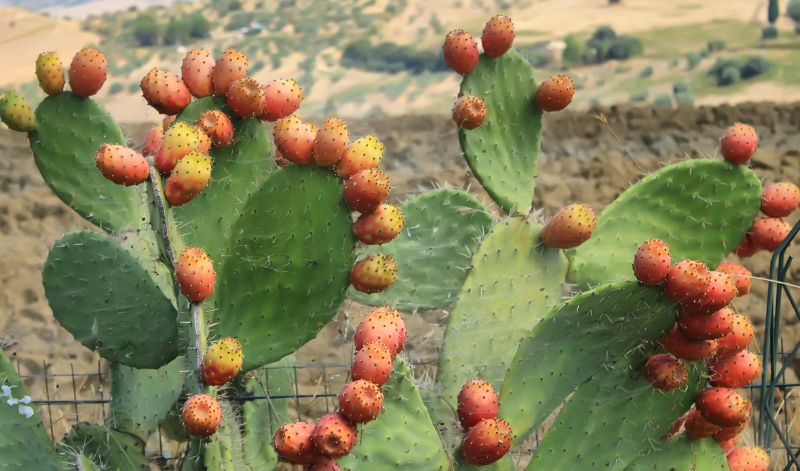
{"x": 201, "y": 27}
{"x": 146, "y": 30}
{"x": 572, "y": 53}
{"x": 178, "y": 31}
{"x": 773, "y": 11}
{"x": 793, "y": 10}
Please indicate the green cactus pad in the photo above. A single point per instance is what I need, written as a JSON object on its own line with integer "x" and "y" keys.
{"x": 108, "y": 302}
{"x": 83, "y": 463}
{"x": 615, "y": 418}
{"x": 403, "y": 436}
{"x": 701, "y": 208}
{"x": 513, "y": 281}
{"x": 575, "y": 342}
{"x": 141, "y": 399}
{"x": 443, "y": 229}
{"x": 682, "y": 454}
{"x": 69, "y": 132}
{"x": 116, "y": 450}
{"x": 24, "y": 443}
{"x": 504, "y": 151}
{"x": 289, "y": 264}
{"x": 506, "y": 463}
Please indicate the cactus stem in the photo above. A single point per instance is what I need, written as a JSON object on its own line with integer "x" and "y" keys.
{"x": 200, "y": 342}
{"x": 161, "y": 212}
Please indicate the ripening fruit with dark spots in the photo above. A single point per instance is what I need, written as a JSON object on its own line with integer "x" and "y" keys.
{"x": 195, "y": 274}
{"x": 698, "y": 427}
{"x": 469, "y": 112}
{"x": 486, "y": 442}
{"x": 121, "y": 165}
{"x": 178, "y": 142}
{"x": 165, "y": 92}
{"x": 152, "y": 140}
{"x": 684, "y": 348}
{"x": 742, "y": 277}
{"x": 202, "y": 415}
{"x": 706, "y": 326}
{"x": 739, "y": 143}
{"x": 723, "y": 407}
{"x": 740, "y": 337}
{"x": 570, "y": 227}
{"x": 768, "y": 233}
{"x": 196, "y": 71}
{"x": 50, "y": 73}
{"x": 372, "y": 363}
{"x": 780, "y": 199}
{"x": 246, "y": 98}
{"x": 498, "y": 36}
{"x": 334, "y": 435}
{"x": 363, "y": 154}
{"x": 88, "y": 72}
{"x": 729, "y": 433}
{"x": 218, "y": 126}
{"x": 460, "y": 51}
{"x": 366, "y": 190}
{"x": 230, "y": 67}
{"x": 188, "y": 179}
{"x": 665, "y": 372}
{"x": 718, "y": 294}
{"x": 379, "y": 226}
{"x": 330, "y": 142}
{"x": 16, "y": 113}
{"x": 477, "y": 401}
{"x": 373, "y": 274}
{"x": 746, "y": 247}
{"x": 727, "y": 445}
{"x": 361, "y": 401}
{"x": 651, "y": 262}
{"x": 323, "y": 464}
{"x": 222, "y": 361}
{"x": 283, "y": 97}
{"x": 734, "y": 372}
{"x": 203, "y": 140}
{"x": 382, "y": 324}
{"x": 293, "y": 443}
{"x": 555, "y": 93}
{"x": 747, "y": 458}
{"x": 687, "y": 281}
{"x": 294, "y": 140}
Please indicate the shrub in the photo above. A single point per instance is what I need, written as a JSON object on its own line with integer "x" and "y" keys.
{"x": 134, "y": 88}
{"x": 692, "y": 59}
{"x": 684, "y": 98}
{"x": 663, "y": 100}
{"x": 234, "y": 5}
{"x": 769, "y": 32}
{"x": 638, "y": 97}
{"x": 680, "y": 87}
{"x": 793, "y": 10}
{"x": 240, "y": 20}
{"x": 625, "y": 47}
{"x": 389, "y": 57}
{"x": 672, "y": 63}
{"x": 146, "y": 30}
{"x": 604, "y": 33}
{"x": 716, "y": 45}
{"x": 115, "y": 88}
{"x": 572, "y": 53}
{"x": 646, "y": 72}
{"x": 178, "y": 32}
{"x": 755, "y": 65}
{"x": 729, "y": 75}
{"x": 201, "y": 27}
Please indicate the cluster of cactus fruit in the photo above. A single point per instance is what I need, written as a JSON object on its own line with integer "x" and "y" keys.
{"x": 281, "y": 233}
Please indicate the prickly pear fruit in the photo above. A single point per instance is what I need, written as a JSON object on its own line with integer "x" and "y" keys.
{"x": 690, "y": 350}
{"x": 687, "y": 281}
{"x": 372, "y": 363}
{"x": 246, "y": 98}
{"x": 674, "y": 428}
{"x": 727, "y": 445}
{"x": 382, "y": 324}
{"x": 293, "y": 443}
{"x": 330, "y": 142}
{"x": 88, "y": 72}
{"x": 739, "y": 143}
{"x": 570, "y": 227}
{"x": 477, "y": 401}
{"x": 373, "y": 274}
{"x": 121, "y": 165}
{"x": 230, "y": 67}
{"x": 651, "y": 262}
{"x": 555, "y": 93}
{"x": 218, "y": 126}
{"x": 168, "y": 121}
{"x": 152, "y": 140}
{"x": 363, "y": 154}
{"x": 202, "y": 415}
{"x": 165, "y": 92}
{"x": 728, "y": 433}
{"x": 498, "y": 35}
{"x": 698, "y": 427}
{"x": 334, "y": 436}
{"x": 723, "y": 407}
{"x": 734, "y": 372}
{"x": 780, "y": 199}
{"x": 380, "y": 226}
{"x": 195, "y": 274}
{"x": 282, "y": 98}
{"x": 294, "y": 140}
{"x": 665, "y": 372}
{"x": 768, "y": 233}
{"x": 188, "y": 179}
{"x": 739, "y": 338}
{"x": 180, "y": 140}
{"x": 366, "y": 190}
{"x": 486, "y": 442}
{"x": 460, "y": 51}
{"x": 746, "y": 247}
{"x": 222, "y": 361}
{"x": 279, "y": 160}
{"x": 706, "y": 326}
{"x": 324, "y": 464}
{"x": 196, "y": 71}
{"x": 313, "y": 128}
{"x": 361, "y": 401}
{"x": 469, "y": 112}
{"x": 748, "y": 458}
{"x": 16, "y": 113}
{"x": 203, "y": 140}
{"x": 50, "y": 73}
{"x": 741, "y": 276}
{"x": 720, "y": 292}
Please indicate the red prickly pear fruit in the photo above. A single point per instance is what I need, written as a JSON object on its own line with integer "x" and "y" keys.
{"x": 739, "y": 338}
{"x": 222, "y": 361}
{"x": 168, "y": 121}
{"x": 279, "y": 160}
{"x": 469, "y": 112}
{"x": 477, "y": 401}
{"x": 293, "y": 443}
{"x": 380, "y": 226}
{"x": 690, "y": 350}
{"x": 203, "y": 140}
{"x": 313, "y": 128}
{"x": 373, "y": 274}
{"x": 230, "y": 67}
{"x": 361, "y": 401}
{"x": 121, "y": 165}
{"x": 372, "y": 363}
{"x": 675, "y": 428}
{"x": 570, "y": 227}
{"x": 50, "y": 73}
{"x": 498, "y": 35}
{"x": 218, "y": 126}
{"x": 687, "y": 281}
{"x": 698, "y": 427}
{"x": 723, "y": 407}
{"x": 739, "y": 143}
{"x": 188, "y": 179}
{"x": 246, "y": 98}
{"x": 195, "y": 274}
{"x": 665, "y": 372}
{"x": 202, "y": 415}
{"x": 768, "y": 233}
{"x": 324, "y": 464}
{"x": 748, "y": 459}
{"x": 741, "y": 276}
{"x": 294, "y": 140}
{"x": 88, "y": 72}
{"x": 196, "y": 71}
{"x": 330, "y": 142}
{"x": 727, "y": 445}
{"x": 179, "y": 141}
{"x": 728, "y": 433}
{"x": 282, "y": 98}
{"x": 734, "y": 372}
{"x": 746, "y": 247}
{"x": 706, "y": 326}
{"x": 165, "y": 92}
{"x": 780, "y": 200}
{"x": 555, "y": 93}
{"x": 152, "y": 140}
{"x": 720, "y": 292}
{"x": 334, "y": 436}
{"x": 16, "y": 113}
{"x": 486, "y": 442}
{"x": 366, "y": 190}
{"x": 382, "y": 324}
{"x": 651, "y": 262}
{"x": 460, "y": 51}
{"x": 363, "y": 154}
